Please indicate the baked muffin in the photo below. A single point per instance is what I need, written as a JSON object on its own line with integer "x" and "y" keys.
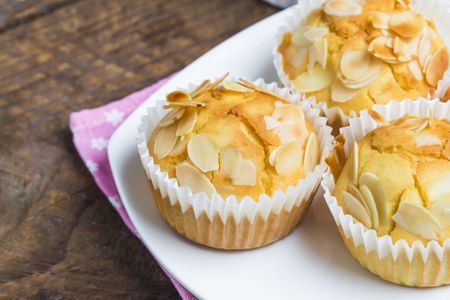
{"x": 235, "y": 143}
{"x": 397, "y": 180}
{"x": 388, "y": 191}
{"x": 352, "y": 55}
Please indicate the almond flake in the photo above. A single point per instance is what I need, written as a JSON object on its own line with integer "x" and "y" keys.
{"x": 204, "y": 86}
{"x": 289, "y": 158}
{"x": 203, "y": 153}
{"x": 440, "y": 188}
{"x": 314, "y": 34}
{"x": 407, "y": 23}
{"x": 340, "y": 93}
{"x": 422, "y": 126}
{"x": 174, "y": 115}
{"x": 371, "y": 74}
{"x": 230, "y": 161}
{"x": 187, "y": 175}
{"x": 370, "y": 202}
{"x": 187, "y": 122}
{"x": 356, "y": 209}
{"x": 273, "y": 155}
{"x": 400, "y": 49}
{"x": 437, "y": 66}
{"x": 424, "y": 47}
{"x": 379, "y": 49}
{"x": 271, "y": 123}
{"x": 417, "y": 220}
{"x": 185, "y": 104}
{"x": 376, "y": 188}
{"x": 380, "y": 19}
{"x": 180, "y": 146}
{"x": 441, "y": 209}
{"x": 354, "y": 64}
{"x": 314, "y": 80}
{"x": 246, "y": 175}
{"x": 290, "y": 133}
{"x": 298, "y": 38}
{"x": 321, "y": 52}
{"x": 415, "y": 70}
{"x": 342, "y": 8}
{"x": 311, "y": 157}
{"x": 178, "y": 96}
{"x": 219, "y": 80}
{"x": 427, "y": 140}
{"x": 288, "y": 114}
{"x": 165, "y": 140}
{"x": 233, "y": 86}
{"x": 354, "y": 191}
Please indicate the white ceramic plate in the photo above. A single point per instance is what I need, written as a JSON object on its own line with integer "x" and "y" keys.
{"x": 312, "y": 262}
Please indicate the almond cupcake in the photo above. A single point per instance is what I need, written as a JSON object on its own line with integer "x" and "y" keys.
{"x": 233, "y": 164}
{"x": 350, "y": 55}
{"x": 391, "y": 199}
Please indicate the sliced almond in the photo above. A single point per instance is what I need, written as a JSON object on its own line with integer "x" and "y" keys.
{"x": 174, "y": 115}
{"x": 185, "y": 104}
{"x": 437, "y": 66}
{"x": 187, "y": 175}
{"x": 180, "y": 146}
{"x": 356, "y": 209}
{"x": 230, "y": 161}
{"x": 407, "y": 23}
{"x": 427, "y": 140}
{"x": 298, "y": 38}
{"x": 390, "y": 42}
{"x": 291, "y": 133}
{"x": 289, "y": 158}
{"x": 402, "y": 3}
{"x": 247, "y": 174}
{"x": 314, "y": 34}
{"x": 289, "y": 114}
{"x": 380, "y": 19}
{"x": 415, "y": 70}
{"x": 422, "y": 126}
{"x": 441, "y": 209}
{"x": 424, "y": 47}
{"x": 371, "y": 74}
{"x": 178, "y": 96}
{"x": 401, "y": 50}
{"x": 203, "y": 153}
{"x": 417, "y": 220}
{"x": 353, "y": 160}
{"x": 233, "y": 86}
{"x": 426, "y": 63}
{"x": 204, "y": 86}
{"x": 312, "y": 155}
{"x": 273, "y": 155}
{"x": 314, "y": 80}
{"x": 219, "y": 80}
{"x": 187, "y": 122}
{"x": 440, "y": 188}
{"x": 354, "y": 64}
{"x": 376, "y": 188}
{"x": 321, "y": 48}
{"x": 340, "y": 93}
{"x": 370, "y": 202}
{"x": 271, "y": 123}
{"x": 379, "y": 49}
{"x": 352, "y": 189}
{"x": 165, "y": 140}
{"x": 342, "y": 8}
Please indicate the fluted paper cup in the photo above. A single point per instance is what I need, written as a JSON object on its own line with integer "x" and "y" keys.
{"x": 233, "y": 223}
{"x": 436, "y": 10}
{"x": 416, "y": 265}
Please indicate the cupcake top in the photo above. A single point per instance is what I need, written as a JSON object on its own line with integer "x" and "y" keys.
{"x": 353, "y": 55}
{"x": 234, "y": 138}
{"x": 396, "y": 180}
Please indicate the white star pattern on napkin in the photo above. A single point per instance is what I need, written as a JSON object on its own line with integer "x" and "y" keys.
{"x": 114, "y": 117}
{"x": 92, "y": 166}
{"x": 99, "y": 143}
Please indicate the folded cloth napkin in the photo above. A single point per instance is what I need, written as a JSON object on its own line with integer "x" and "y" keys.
{"x": 91, "y": 130}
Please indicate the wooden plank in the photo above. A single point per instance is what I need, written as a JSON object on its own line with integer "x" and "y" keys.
{"x": 59, "y": 237}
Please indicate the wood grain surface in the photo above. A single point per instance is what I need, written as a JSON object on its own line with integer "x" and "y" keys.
{"x": 59, "y": 236}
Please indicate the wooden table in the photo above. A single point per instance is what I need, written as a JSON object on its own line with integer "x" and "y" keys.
{"x": 59, "y": 236}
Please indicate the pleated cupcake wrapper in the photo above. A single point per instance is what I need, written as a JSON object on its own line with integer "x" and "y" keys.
{"x": 237, "y": 216}
{"x": 436, "y": 10}
{"x": 415, "y": 265}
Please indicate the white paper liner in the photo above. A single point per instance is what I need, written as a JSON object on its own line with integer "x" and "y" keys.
{"x": 246, "y": 207}
{"x": 436, "y": 10}
{"x": 358, "y": 128}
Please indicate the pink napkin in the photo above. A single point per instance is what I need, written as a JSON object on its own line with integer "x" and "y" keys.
{"x": 91, "y": 130}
